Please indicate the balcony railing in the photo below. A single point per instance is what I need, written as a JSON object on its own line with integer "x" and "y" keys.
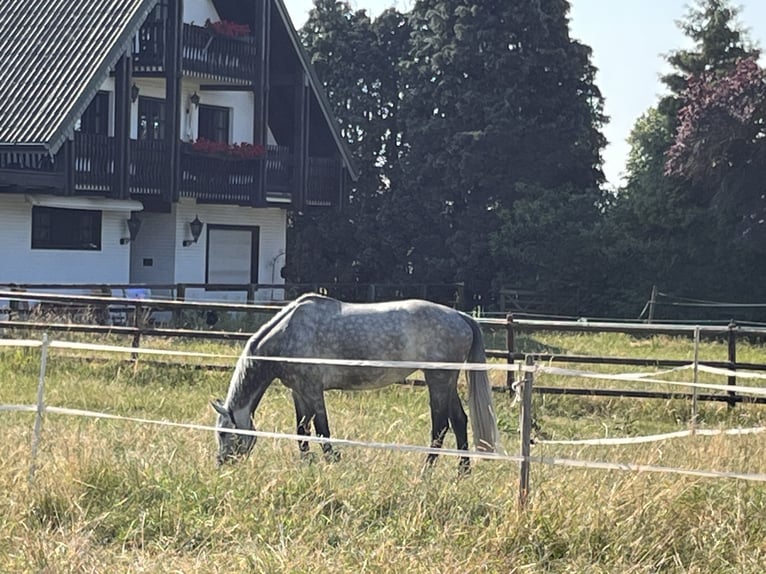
{"x": 219, "y": 178}
{"x": 204, "y": 52}
{"x": 93, "y": 162}
{"x": 215, "y": 178}
{"x": 323, "y": 182}
{"x": 150, "y": 167}
{"x": 210, "y": 54}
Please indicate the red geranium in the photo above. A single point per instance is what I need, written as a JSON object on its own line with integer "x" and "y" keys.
{"x": 239, "y": 151}
{"x": 228, "y": 28}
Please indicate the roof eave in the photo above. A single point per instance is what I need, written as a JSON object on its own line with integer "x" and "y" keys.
{"x": 316, "y": 86}
{"x": 65, "y": 130}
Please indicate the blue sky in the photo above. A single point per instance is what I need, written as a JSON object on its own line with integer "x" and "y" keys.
{"x": 628, "y": 38}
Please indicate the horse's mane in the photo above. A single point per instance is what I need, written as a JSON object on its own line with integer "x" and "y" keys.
{"x": 266, "y": 328}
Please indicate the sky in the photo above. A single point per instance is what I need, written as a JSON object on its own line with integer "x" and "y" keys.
{"x": 629, "y": 39}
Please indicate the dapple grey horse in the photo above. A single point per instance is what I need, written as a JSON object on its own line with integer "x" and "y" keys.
{"x": 314, "y": 326}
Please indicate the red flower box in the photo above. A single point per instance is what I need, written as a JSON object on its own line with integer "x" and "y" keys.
{"x": 228, "y": 28}
{"x": 237, "y": 151}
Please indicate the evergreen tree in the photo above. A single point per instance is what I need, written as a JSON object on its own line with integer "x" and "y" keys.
{"x": 500, "y": 107}
{"x": 357, "y": 62}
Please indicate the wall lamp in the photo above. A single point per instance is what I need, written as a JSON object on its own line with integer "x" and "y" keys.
{"x": 134, "y": 226}
{"x": 134, "y": 90}
{"x": 194, "y": 99}
{"x": 195, "y": 226}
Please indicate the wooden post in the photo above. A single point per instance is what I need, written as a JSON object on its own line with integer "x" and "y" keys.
{"x": 40, "y": 407}
{"x": 525, "y": 425}
{"x": 732, "y": 361}
{"x": 138, "y": 322}
{"x": 652, "y": 303}
{"x": 178, "y": 311}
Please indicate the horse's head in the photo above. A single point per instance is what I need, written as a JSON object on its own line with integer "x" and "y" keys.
{"x": 231, "y": 446}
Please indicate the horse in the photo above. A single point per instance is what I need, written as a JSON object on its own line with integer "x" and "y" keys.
{"x": 316, "y": 326}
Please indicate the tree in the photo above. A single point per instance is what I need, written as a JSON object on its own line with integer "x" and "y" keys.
{"x": 356, "y": 60}
{"x": 658, "y": 228}
{"x": 499, "y": 101}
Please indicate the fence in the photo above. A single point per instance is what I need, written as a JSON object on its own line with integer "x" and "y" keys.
{"x": 523, "y": 388}
{"x": 138, "y": 311}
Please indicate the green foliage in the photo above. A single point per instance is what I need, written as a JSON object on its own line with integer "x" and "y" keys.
{"x": 661, "y": 228}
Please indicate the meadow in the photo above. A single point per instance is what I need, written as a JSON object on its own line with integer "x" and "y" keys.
{"x": 120, "y": 496}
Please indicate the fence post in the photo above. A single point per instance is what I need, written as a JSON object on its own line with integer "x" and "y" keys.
{"x": 525, "y": 425}
{"x": 652, "y": 303}
{"x": 40, "y": 407}
{"x": 178, "y": 311}
{"x": 732, "y": 381}
{"x": 696, "y": 378}
{"x": 138, "y": 324}
{"x": 510, "y": 345}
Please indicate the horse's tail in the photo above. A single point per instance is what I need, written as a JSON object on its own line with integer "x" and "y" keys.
{"x": 483, "y": 420}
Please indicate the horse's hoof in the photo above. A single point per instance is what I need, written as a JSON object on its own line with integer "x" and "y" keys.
{"x": 463, "y": 470}
{"x": 332, "y": 456}
{"x": 308, "y": 457}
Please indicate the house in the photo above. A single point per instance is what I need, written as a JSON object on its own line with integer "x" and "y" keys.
{"x": 158, "y": 141}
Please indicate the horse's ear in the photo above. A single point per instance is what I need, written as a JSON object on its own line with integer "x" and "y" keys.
{"x": 218, "y": 407}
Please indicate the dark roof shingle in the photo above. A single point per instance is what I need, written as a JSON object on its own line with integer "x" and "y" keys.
{"x": 54, "y": 56}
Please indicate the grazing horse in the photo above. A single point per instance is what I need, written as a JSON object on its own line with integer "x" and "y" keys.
{"x": 314, "y": 326}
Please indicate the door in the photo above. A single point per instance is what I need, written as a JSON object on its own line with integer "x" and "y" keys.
{"x": 232, "y": 254}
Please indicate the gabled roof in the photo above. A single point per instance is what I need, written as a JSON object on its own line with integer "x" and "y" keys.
{"x": 54, "y": 56}
{"x": 316, "y": 86}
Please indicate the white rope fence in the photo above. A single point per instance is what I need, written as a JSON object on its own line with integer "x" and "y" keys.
{"x": 529, "y": 371}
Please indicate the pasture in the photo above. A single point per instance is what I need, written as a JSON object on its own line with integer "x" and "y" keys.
{"x": 119, "y": 496}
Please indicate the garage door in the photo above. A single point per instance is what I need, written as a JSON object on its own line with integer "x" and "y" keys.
{"x": 232, "y": 254}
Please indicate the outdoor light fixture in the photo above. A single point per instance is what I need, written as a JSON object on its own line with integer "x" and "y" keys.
{"x": 134, "y": 226}
{"x": 195, "y": 226}
{"x": 134, "y": 92}
{"x": 194, "y": 99}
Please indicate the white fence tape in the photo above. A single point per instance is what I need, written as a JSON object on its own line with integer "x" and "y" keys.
{"x": 572, "y": 463}
{"x": 638, "y": 377}
{"x": 643, "y": 378}
{"x": 610, "y": 441}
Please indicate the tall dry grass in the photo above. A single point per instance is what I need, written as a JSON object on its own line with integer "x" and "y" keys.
{"x": 122, "y": 497}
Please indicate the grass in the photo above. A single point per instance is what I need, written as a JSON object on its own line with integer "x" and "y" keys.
{"x": 117, "y": 496}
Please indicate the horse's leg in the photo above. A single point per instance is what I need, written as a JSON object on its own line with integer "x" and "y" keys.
{"x": 321, "y": 425}
{"x": 459, "y": 422}
{"x": 439, "y": 400}
{"x": 303, "y": 416}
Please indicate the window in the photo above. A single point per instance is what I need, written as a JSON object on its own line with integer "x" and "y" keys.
{"x": 151, "y": 119}
{"x": 95, "y": 118}
{"x": 76, "y": 229}
{"x": 213, "y": 123}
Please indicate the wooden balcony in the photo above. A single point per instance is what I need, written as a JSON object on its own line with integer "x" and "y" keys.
{"x": 206, "y": 177}
{"x": 204, "y": 53}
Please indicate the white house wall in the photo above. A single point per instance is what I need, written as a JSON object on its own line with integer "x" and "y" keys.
{"x": 22, "y": 264}
{"x": 153, "y": 255}
{"x": 190, "y": 261}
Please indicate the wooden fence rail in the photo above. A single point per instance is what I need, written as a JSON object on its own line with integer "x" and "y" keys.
{"x": 138, "y": 310}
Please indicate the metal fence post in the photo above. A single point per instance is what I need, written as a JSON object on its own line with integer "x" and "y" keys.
{"x": 40, "y": 407}
{"x": 525, "y": 425}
